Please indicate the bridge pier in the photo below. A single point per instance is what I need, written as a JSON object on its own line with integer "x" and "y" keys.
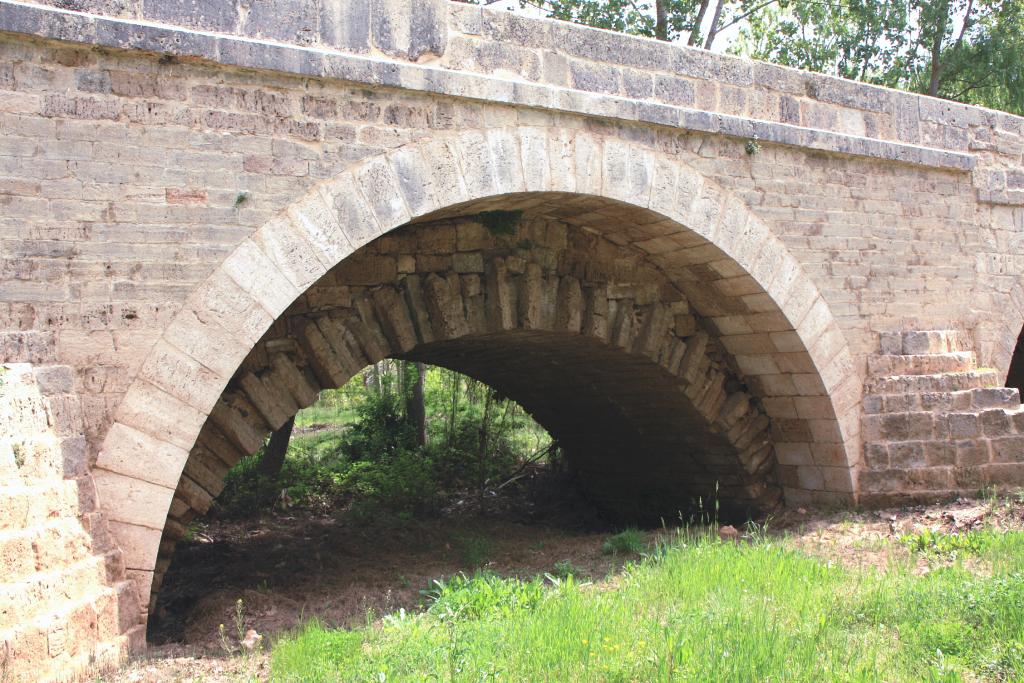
{"x": 935, "y": 424}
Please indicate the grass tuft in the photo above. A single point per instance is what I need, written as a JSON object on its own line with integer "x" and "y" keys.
{"x": 628, "y": 542}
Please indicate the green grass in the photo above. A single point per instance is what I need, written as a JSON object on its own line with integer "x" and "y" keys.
{"x": 698, "y": 610}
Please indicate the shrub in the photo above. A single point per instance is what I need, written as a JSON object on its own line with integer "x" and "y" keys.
{"x": 628, "y": 542}
{"x": 380, "y": 430}
{"x": 308, "y": 475}
{"x": 376, "y": 462}
{"x": 459, "y": 463}
{"x": 403, "y": 482}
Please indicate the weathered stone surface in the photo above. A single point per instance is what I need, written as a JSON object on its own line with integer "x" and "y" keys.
{"x": 967, "y": 424}
{"x": 176, "y": 225}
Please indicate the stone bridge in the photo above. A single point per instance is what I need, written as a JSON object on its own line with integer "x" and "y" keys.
{"x": 699, "y": 273}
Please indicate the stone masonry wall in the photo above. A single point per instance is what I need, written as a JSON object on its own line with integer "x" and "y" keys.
{"x": 935, "y": 423}
{"x": 65, "y": 605}
{"x": 126, "y": 179}
{"x": 137, "y": 156}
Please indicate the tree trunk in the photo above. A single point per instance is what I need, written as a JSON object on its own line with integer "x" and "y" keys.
{"x": 936, "y": 62}
{"x": 713, "y": 31}
{"x": 273, "y": 457}
{"x": 454, "y": 377}
{"x": 417, "y": 407}
{"x": 695, "y": 33}
{"x": 374, "y": 379}
{"x": 661, "y": 19}
{"x": 485, "y": 425}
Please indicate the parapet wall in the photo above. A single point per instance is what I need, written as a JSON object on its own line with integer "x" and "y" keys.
{"x": 464, "y": 50}
{"x": 470, "y": 56}
{"x": 64, "y": 604}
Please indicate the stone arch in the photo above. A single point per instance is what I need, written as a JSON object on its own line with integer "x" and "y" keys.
{"x": 998, "y": 340}
{"x": 765, "y": 312}
{"x": 622, "y": 338}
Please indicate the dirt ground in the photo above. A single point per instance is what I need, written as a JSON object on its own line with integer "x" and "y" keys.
{"x": 289, "y": 567}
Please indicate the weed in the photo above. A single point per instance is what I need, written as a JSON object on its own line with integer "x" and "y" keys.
{"x": 239, "y": 618}
{"x": 565, "y": 568}
{"x": 223, "y": 638}
{"x": 968, "y": 543}
{"x": 190, "y": 532}
{"x": 628, "y": 542}
{"x": 241, "y": 199}
{"x": 753, "y": 146}
{"x": 483, "y": 594}
{"x": 19, "y": 454}
{"x": 758, "y": 533}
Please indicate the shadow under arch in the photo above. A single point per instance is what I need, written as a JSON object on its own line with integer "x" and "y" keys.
{"x": 753, "y": 298}
{"x": 1000, "y": 339}
{"x": 1015, "y": 371}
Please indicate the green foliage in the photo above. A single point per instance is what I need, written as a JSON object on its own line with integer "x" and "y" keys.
{"x": 309, "y": 475}
{"x": 966, "y": 50}
{"x": 379, "y": 431}
{"x": 324, "y": 413}
{"x": 459, "y": 462}
{"x": 624, "y": 16}
{"x": 484, "y": 595}
{"x": 563, "y": 569}
{"x": 628, "y": 542}
{"x": 403, "y": 482}
{"x": 704, "y": 610}
{"x": 987, "y": 68}
{"x": 968, "y": 543}
{"x": 857, "y": 39}
{"x": 365, "y": 452}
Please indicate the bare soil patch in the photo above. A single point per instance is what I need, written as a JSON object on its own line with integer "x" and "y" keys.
{"x": 859, "y": 539}
{"x": 290, "y": 566}
{"x": 287, "y": 569}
